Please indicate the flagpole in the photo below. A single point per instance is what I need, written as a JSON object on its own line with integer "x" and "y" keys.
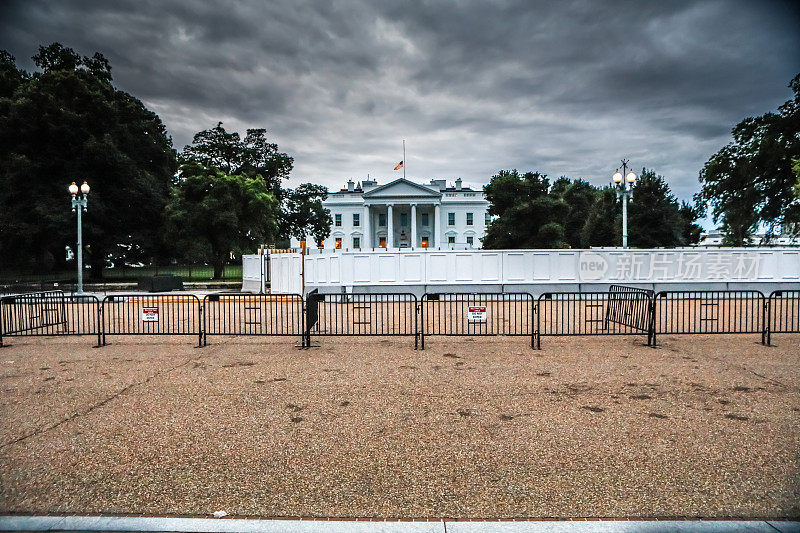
{"x": 404, "y": 159}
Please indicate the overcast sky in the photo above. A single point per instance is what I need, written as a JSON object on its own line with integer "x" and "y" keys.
{"x": 566, "y": 88}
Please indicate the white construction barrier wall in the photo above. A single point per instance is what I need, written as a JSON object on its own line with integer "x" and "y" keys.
{"x": 253, "y": 273}
{"x": 537, "y": 270}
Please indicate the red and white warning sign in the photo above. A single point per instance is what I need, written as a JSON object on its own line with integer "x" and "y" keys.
{"x": 149, "y": 314}
{"x": 476, "y": 313}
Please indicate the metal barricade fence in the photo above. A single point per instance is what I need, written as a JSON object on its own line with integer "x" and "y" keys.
{"x": 477, "y": 314}
{"x": 253, "y": 314}
{"x": 381, "y": 314}
{"x": 49, "y": 313}
{"x": 622, "y": 310}
{"x": 783, "y": 313}
{"x": 152, "y": 314}
{"x": 709, "y": 312}
{"x": 568, "y": 314}
{"x": 630, "y": 306}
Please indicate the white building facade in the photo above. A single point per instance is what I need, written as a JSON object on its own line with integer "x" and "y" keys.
{"x": 404, "y": 214}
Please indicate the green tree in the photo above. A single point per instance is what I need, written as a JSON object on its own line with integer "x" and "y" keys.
{"x": 580, "y": 196}
{"x": 654, "y": 216}
{"x": 254, "y": 155}
{"x": 10, "y": 76}
{"x": 731, "y": 179}
{"x": 304, "y": 213}
{"x": 212, "y": 214}
{"x": 750, "y": 181}
{"x": 602, "y": 226}
{"x": 528, "y": 216}
{"x": 796, "y": 168}
{"x": 691, "y": 229}
{"x": 68, "y": 123}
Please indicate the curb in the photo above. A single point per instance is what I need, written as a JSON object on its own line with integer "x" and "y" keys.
{"x": 236, "y": 525}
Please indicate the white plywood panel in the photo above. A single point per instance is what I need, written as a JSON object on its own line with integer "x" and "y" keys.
{"x": 542, "y": 269}
{"x": 464, "y": 267}
{"x": 790, "y": 265}
{"x": 514, "y": 266}
{"x": 361, "y": 268}
{"x": 491, "y": 265}
{"x": 310, "y": 277}
{"x": 566, "y": 263}
{"x": 387, "y": 271}
{"x": 321, "y": 267}
{"x": 334, "y": 272}
{"x": 437, "y": 267}
{"x": 768, "y": 265}
{"x": 412, "y": 268}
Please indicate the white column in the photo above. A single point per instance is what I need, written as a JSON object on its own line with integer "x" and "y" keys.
{"x": 366, "y": 241}
{"x": 437, "y": 219}
{"x": 413, "y": 225}
{"x": 389, "y": 227}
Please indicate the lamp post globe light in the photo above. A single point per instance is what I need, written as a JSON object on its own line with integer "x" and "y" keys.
{"x": 623, "y": 182}
{"x": 79, "y": 203}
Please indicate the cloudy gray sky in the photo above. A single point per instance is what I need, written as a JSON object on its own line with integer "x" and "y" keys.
{"x": 567, "y": 88}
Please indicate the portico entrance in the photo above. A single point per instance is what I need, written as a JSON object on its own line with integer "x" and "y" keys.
{"x": 402, "y": 214}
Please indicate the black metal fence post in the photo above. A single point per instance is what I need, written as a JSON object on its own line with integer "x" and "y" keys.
{"x": 417, "y": 310}
{"x": 312, "y": 314}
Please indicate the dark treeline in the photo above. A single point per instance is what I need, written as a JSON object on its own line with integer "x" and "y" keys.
{"x": 67, "y": 122}
{"x": 530, "y": 212}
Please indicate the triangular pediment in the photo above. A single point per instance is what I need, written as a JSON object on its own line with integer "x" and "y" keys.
{"x": 402, "y": 188}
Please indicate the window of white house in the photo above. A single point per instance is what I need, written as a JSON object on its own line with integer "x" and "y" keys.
{"x": 469, "y": 219}
{"x": 451, "y": 219}
{"x": 451, "y": 239}
{"x": 424, "y": 219}
{"x": 338, "y": 242}
{"x": 337, "y": 220}
{"x": 382, "y": 220}
{"x": 356, "y": 242}
{"x": 356, "y": 220}
{"x": 486, "y": 219}
{"x": 404, "y": 219}
{"x": 470, "y": 240}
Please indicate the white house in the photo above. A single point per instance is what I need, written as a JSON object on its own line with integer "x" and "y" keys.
{"x": 404, "y": 214}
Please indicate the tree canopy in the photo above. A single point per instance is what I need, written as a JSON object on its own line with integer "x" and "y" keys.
{"x": 68, "y": 123}
{"x": 212, "y": 214}
{"x": 655, "y": 218}
{"x": 300, "y": 209}
{"x": 304, "y": 213}
{"x": 527, "y": 215}
{"x": 254, "y": 155}
{"x": 750, "y": 181}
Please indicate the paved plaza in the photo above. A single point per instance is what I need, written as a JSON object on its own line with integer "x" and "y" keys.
{"x": 478, "y": 428}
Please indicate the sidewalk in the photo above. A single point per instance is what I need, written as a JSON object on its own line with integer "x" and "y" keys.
{"x": 197, "y": 525}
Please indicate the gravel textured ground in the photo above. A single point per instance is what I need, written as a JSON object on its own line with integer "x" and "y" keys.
{"x": 472, "y": 428}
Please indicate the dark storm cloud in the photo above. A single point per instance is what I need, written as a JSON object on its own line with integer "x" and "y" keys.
{"x": 566, "y": 88}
